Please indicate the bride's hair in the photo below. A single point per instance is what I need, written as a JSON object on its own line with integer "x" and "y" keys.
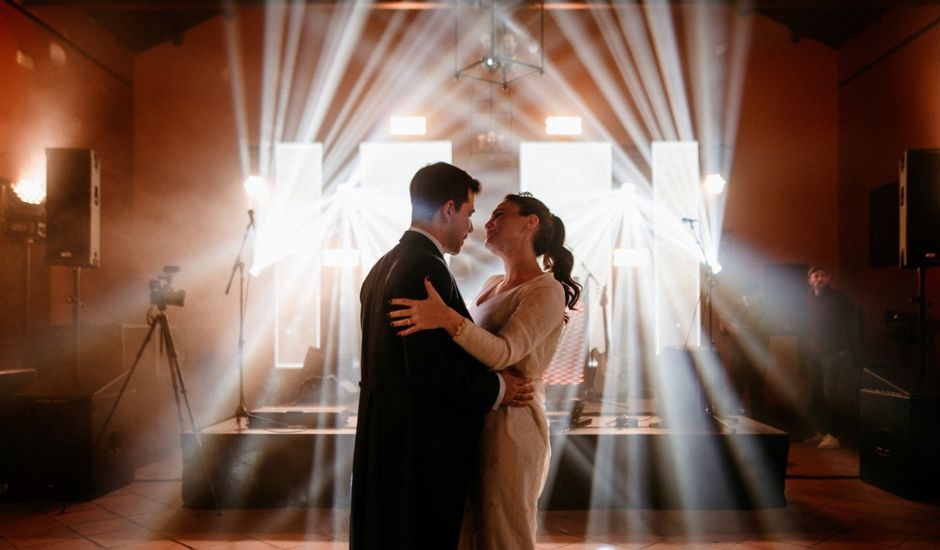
{"x": 549, "y": 242}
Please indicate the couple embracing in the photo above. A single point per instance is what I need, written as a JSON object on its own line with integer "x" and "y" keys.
{"x": 452, "y": 443}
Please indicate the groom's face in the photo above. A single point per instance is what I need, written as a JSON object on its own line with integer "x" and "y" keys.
{"x": 459, "y": 225}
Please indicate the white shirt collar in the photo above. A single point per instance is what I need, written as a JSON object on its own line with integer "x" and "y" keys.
{"x": 436, "y": 242}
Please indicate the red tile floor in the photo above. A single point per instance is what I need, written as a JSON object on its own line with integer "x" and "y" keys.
{"x": 829, "y": 507}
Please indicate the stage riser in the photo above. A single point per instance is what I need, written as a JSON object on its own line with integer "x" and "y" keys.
{"x": 622, "y": 469}
{"x": 680, "y": 470}
{"x": 266, "y": 470}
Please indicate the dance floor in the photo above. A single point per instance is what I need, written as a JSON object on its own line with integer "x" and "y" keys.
{"x": 828, "y": 506}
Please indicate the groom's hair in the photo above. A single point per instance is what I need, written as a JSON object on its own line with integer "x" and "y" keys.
{"x": 434, "y": 185}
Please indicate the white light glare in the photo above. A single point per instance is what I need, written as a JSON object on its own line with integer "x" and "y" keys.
{"x": 631, "y": 257}
{"x": 563, "y": 125}
{"x": 30, "y": 191}
{"x": 255, "y": 186}
{"x": 714, "y": 184}
{"x": 628, "y": 193}
{"x": 340, "y": 257}
{"x": 408, "y": 125}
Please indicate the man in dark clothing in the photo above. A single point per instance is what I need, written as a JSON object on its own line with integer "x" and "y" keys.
{"x": 423, "y": 398}
{"x": 829, "y": 324}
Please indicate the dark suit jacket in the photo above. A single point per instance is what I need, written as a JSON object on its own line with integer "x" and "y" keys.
{"x": 420, "y": 412}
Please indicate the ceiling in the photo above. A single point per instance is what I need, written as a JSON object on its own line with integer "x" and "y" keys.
{"x": 142, "y": 24}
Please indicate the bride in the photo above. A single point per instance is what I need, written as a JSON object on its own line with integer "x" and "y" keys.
{"x": 519, "y": 316}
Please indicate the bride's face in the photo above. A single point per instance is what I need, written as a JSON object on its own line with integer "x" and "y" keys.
{"x": 508, "y": 229}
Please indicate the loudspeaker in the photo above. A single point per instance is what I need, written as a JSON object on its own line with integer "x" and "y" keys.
{"x": 73, "y": 206}
{"x": 52, "y": 435}
{"x": 897, "y": 450}
{"x": 919, "y": 208}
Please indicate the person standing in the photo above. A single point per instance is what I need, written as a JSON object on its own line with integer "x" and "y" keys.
{"x": 520, "y": 316}
{"x": 827, "y": 340}
{"x": 423, "y": 398}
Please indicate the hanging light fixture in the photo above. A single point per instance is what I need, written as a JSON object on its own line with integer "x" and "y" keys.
{"x": 511, "y": 49}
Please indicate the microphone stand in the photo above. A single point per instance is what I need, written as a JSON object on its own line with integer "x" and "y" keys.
{"x": 709, "y": 285}
{"x": 709, "y": 279}
{"x": 241, "y": 411}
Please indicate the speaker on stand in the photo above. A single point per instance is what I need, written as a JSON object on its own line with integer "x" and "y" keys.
{"x": 73, "y": 223}
{"x": 898, "y": 450}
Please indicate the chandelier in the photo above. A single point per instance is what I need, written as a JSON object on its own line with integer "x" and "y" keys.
{"x": 510, "y": 40}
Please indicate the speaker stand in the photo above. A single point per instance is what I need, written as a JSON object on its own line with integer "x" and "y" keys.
{"x": 76, "y": 300}
{"x": 921, "y": 301}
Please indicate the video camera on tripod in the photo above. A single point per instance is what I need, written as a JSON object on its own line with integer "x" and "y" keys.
{"x": 162, "y": 293}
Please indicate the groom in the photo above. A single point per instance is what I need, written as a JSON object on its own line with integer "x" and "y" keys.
{"x": 423, "y": 398}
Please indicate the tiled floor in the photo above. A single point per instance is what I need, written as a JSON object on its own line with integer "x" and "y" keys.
{"x": 829, "y": 507}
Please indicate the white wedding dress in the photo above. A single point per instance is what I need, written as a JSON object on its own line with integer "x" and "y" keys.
{"x": 517, "y": 328}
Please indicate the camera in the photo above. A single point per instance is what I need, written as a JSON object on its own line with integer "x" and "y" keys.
{"x": 162, "y": 293}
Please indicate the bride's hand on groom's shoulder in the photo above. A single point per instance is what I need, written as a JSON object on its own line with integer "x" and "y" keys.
{"x": 413, "y": 316}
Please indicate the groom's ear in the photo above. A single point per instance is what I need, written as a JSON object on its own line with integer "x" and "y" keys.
{"x": 448, "y": 209}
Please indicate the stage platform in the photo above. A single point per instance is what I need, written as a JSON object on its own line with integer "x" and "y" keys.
{"x": 616, "y": 461}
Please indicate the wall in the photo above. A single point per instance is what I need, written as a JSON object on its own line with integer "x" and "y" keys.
{"x": 63, "y": 97}
{"x": 176, "y": 132}
{"x": 889, "y": 83}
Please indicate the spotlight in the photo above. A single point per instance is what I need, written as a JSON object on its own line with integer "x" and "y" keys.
{"x": 30, "y": 191}
{"x": 628, "y": 193}
{"x": 255, "y": 186}
{"x": 490, "y": 63}
{"x": 631, "y": 257}
{"x": 340, "y": 257}
{"x": 714, "y": 184}
{"x": 563, "y": 125}
{"x": 21, "y": 217}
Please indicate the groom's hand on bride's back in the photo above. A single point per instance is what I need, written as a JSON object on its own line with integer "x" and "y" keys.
{"x": 518, "y": 389}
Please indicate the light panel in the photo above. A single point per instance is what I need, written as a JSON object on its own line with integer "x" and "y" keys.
{"x": 408, "y": 126}
{"x": 563, "y": 125}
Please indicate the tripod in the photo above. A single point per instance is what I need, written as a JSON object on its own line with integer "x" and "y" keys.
{"x": 179, "y": 390}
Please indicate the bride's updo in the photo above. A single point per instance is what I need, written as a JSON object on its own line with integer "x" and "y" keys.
{"x": 549, "y": 242}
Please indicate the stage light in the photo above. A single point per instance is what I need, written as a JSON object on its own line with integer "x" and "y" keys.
{"x": 21, "y": 217}
{"x": 255, "y": 186}
{"x": 30, "y": 191}
{"x": 714, "y": 184}
{"x": 628, "y": 193}
{"x": 563, "y": 125}
{"x": 340, "y": 257}
{"x": 408, "y": 126}
{"x": 631, "y": 257}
